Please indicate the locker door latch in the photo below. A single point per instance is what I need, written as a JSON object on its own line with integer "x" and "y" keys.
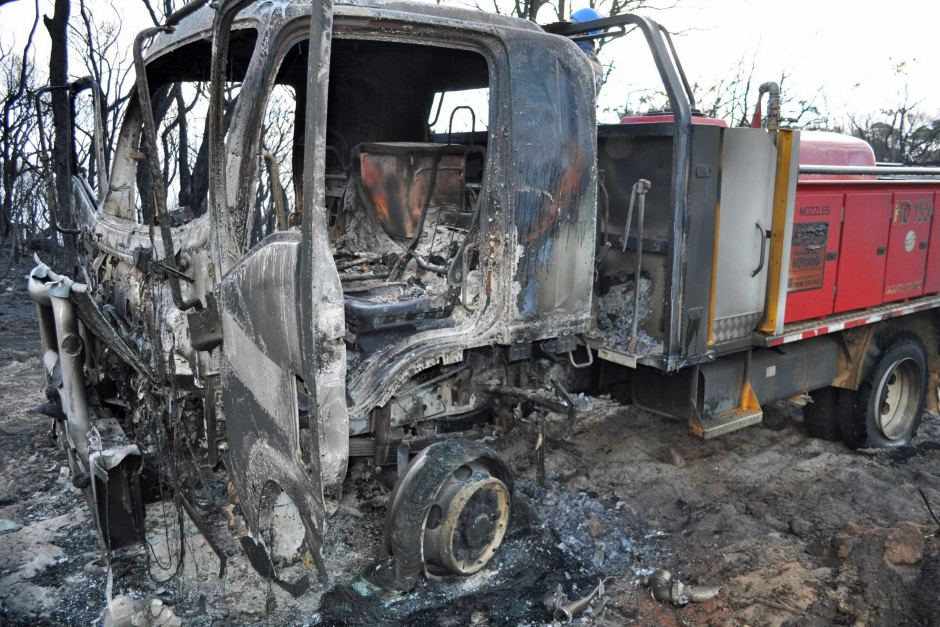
{"x": 764, "y": 236}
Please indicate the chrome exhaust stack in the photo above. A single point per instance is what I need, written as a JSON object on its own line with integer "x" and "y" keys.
{"x": 106, "y": 472}
{"x": 63, "y": 353}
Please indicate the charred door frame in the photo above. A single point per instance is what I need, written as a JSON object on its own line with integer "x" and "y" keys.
{"x": 387, "y": 371}
{"x": 682, "y": 102}
{"x": 281, "y": 303}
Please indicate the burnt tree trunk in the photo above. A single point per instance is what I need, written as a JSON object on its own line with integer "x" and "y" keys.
{"x": 186, "y": 183}
{"x": 62, "y": 123}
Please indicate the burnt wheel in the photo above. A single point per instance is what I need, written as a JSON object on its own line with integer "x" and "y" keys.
{"x": 447, "y": 515}
{"x": 821, "y": 416}
{"x": 887, "y": 408}
{"x": 467, "y": 521}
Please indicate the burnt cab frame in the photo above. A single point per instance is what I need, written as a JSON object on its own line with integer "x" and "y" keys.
{"x": 685, "y": 315}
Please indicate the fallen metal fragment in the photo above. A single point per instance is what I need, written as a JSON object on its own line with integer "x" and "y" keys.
{"x": 564, "y": 611}
{"x": 666, "y": 589}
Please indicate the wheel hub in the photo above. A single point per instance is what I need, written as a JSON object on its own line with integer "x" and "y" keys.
{"x": 467, "y": 522}
{"x": 898, "y": 395}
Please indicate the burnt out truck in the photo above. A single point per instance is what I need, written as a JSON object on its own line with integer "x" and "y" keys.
{"x": 350, "y": 233}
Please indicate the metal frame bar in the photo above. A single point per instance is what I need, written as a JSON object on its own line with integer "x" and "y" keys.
{"x": 799, "y": 331}
{"x": 781, "y": 229}
{"x": 870, "y": 170}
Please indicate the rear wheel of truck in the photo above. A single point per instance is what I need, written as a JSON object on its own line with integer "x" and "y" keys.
{"x": 821, "y": 415}
{"x": 447, "y": 515}
{"x": 888, "y": 406}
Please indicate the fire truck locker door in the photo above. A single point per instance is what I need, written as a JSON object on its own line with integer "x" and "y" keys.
{"x": 932, "y": 281}
{"x": 745, "y": 212}
{"x": 864, "y": 250}
{"x": 907, "y": 245}
{"x": 814, "y": 255}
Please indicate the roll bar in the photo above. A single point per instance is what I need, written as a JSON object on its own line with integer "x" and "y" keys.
{"x": 681, "y": 101}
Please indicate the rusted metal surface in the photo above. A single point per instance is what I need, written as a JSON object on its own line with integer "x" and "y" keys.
{"x": 396, "y": 182}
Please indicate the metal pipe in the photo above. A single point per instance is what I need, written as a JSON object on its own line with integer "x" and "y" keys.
{"x": 424, "y": 264}
{"x": 641, "y": 187}
{"x": 772, "y": 121}
{"x": 869, "y": 170}
{"x": 71, "y": 365}
{"x": 690, "y": 94}
{"x": 39, "y": 292}
{"x": 681, "y": 101}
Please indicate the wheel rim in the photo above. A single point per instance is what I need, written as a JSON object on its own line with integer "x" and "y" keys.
{"x": 467, "y": 522}
{"x": 898, "y": 397}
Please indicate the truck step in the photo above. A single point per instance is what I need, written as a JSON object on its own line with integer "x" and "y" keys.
{"x": 727, "y": 422}
{"x": 746, "y": 414}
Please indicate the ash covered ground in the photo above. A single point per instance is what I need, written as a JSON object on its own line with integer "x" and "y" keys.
{"x": 795, "y": 531}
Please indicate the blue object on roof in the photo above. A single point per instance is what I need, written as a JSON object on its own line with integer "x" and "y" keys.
{"x": 587, "y": 14}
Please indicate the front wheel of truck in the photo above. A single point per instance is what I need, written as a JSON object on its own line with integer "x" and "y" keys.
{"x": 447, "y": 515}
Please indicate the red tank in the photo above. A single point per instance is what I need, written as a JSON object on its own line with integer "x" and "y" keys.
{"x": 826, "y": 148}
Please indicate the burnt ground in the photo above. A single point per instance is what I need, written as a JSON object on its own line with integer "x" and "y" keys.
{"x": 794, "y": 530}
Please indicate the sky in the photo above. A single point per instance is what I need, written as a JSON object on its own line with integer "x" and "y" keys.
{"x": 855, "y": 57}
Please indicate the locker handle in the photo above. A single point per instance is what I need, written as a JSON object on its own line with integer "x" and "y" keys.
{"x": 764, "y": 235}
{"x": 922, "y": 246}
{"x": 881, "y": 250}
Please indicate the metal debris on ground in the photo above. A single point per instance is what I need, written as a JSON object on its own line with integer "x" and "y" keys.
{"x": 563, "y": 610}
{"x": 126, "y": 611}
{"x": 666, "y": 589}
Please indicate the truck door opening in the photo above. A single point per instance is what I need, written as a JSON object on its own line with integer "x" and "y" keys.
{"x": 406, "y": 148}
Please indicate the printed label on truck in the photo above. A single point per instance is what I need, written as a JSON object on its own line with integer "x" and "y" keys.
{"x": 808, "y": 256}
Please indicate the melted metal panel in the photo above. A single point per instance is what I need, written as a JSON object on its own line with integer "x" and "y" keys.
{"x": 554, "y": 179}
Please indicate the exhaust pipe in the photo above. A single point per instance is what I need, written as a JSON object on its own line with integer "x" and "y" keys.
{"x": 63, "y": 351}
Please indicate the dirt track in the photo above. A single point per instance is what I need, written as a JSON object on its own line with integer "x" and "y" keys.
{"x": 794, "y": 530}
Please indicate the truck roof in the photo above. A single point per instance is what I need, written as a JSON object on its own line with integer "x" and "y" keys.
{"x": 199, "y": 24}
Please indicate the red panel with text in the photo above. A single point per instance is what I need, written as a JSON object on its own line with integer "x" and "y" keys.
{"x": 907, "y": 245}
{"x": 814, "y": 253}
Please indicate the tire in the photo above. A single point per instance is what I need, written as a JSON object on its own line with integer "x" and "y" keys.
{"x": 886, "y": 410}
{"x": 821, "y": 416}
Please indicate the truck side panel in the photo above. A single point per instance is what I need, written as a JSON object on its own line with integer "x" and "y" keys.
{"x": 864, "y": 250}
{"x": 932, "y": 280}
{"x": 907, "y": 245}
